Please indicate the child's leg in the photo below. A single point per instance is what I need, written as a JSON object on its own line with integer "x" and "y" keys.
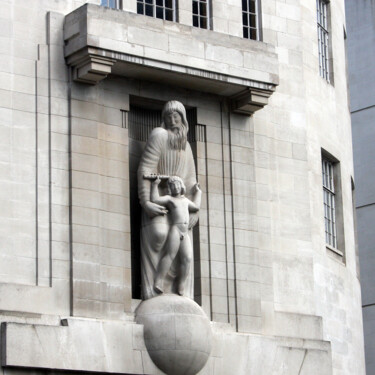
{"x": 186, "y": 256}
{"x": 171, "y": 246}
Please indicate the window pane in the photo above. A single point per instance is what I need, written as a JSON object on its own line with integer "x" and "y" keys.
{"x": 245, "y": 32}
{"x": 159, "y": 13}
{"x": 169, "y": 4}
{"x": 203, "y": 24}
{"x": 244, "y": 19}
{"x": 159, "y": 2}
{"x": 112, "y": 4}
{"x": 139, "y": 8}
{"x": 253, "y": 20}
{"x": 195, "y": 21}
{"x": 169, "y": 15}
{"x": 148, "y": 1}
{"x": 195, "y": 7}
{"x": 244, "y": 5}
{"x": 149, "y": 10}
{"x": 253, "y": 34}
{"x": 252, "y": 6}
{"x": 104, "y": 3}
{"x": 203, "y": 9}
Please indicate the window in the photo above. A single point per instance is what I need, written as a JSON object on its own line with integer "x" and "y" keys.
{"x": 115, "y": 4}
{"x": 163, "y": 9}
{"x": 333, "y": 206}
{"x": 251, "y": 19}
{"x": 323, "y": 37}
{"x": 201, "y": 14}
{"x": 329, "y": 202}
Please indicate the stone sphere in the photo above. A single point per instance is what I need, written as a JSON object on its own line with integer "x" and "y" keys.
{"x": 177, "y": 333}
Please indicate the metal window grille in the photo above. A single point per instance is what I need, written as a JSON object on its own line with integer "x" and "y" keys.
{"x": 250, "y": 19}
{"x": 114, "y": 4}
{"x": 201, "y": 14}
{"x": 329, "y": 202}
{"x": 163, "y": 9}
{"x": 323, "y": 38}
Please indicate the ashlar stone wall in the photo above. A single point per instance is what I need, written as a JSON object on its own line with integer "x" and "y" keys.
{"x": 279, "y": 300}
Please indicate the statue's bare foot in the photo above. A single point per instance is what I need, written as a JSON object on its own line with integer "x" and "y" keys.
{"x": 158, "y": 288}
{"x": 181, "y": 290}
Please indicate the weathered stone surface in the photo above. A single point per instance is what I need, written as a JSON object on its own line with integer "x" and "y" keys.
{"x": 119, "y": 347}
{"x": 179, "y": 54}
{"x": 261, "y": 265}
{"x": 177, "y": 334}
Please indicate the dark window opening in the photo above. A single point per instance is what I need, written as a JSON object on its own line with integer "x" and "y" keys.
{"x": 251, "y": 19}
{"x": 201, "y": 14}
{"x": 162, "y": 9}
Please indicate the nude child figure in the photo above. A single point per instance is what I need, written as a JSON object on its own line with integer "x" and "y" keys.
{"x": 178, "y": 241}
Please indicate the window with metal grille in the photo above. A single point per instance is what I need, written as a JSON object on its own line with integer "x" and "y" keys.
{"x": 329, "y": 202}
{"x": 201, "y": 14}
{"x": 163, "y": 9}
{"x": 115, "y": 4}
{"x": 250, "y": 19}
{"x": 323, "y": 37}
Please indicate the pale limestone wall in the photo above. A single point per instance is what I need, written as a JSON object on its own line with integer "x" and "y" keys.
{"x": 264, "y": 266}
{"x": 303, "y": 119}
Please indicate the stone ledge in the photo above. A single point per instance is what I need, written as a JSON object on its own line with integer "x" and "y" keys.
{"x": 101, "y": 41}
{"x": 118, "y": 347}
{"x": 76, "y": 345}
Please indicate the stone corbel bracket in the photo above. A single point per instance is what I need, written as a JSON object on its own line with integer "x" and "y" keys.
{"x": 250, "y": 100}
{"x": 90, "y": 68}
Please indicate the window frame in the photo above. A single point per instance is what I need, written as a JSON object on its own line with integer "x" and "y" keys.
{"x": 324, "y": 40}
{"x": 117, "y": 4}
{"x": 334, "y": 189}
{"x": 246, "y": 29}
{"x": 155, "y": 7}
{"x": 199, "y": 16}
{"x": 329, "y": 202}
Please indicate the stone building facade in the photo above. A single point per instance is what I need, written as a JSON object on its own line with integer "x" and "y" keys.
{"x": 275, "y": 268}
{"x": 361, "y": 54}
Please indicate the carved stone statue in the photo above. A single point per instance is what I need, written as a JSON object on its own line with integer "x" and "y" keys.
{"x": 167, "y": 153}
{"x": 177, "y": 332}
{"x": 178, "y": 240}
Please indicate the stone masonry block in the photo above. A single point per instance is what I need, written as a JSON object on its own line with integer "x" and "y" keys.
{"x": 147, "y": 38}
{"x": 224, "y": 54}
{"x": 183, "y": 46}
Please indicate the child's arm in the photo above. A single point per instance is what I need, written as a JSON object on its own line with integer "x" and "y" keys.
{"x": 196, "y": 203}
{"x": 155, "y": 197}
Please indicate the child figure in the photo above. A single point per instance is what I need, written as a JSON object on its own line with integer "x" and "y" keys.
{"x": 178, "y": 241}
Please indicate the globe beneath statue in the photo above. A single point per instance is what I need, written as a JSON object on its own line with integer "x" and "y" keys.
{"x": 177, "y": 333}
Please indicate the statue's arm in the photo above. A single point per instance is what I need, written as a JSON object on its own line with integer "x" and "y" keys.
{"x": 149, "y": 165}
{"x": 190, "y": 180}
{"x": 156, "y": 198}
{"x": 195, "y": 203}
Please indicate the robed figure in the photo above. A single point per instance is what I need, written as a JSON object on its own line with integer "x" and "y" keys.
{"x": 167, "y": 153}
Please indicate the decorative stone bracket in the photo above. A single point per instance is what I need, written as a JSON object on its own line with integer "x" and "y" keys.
{"x": 101, "y": 41}
{"x": 90, "y": 68}
{"x": 249, "y": 101}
